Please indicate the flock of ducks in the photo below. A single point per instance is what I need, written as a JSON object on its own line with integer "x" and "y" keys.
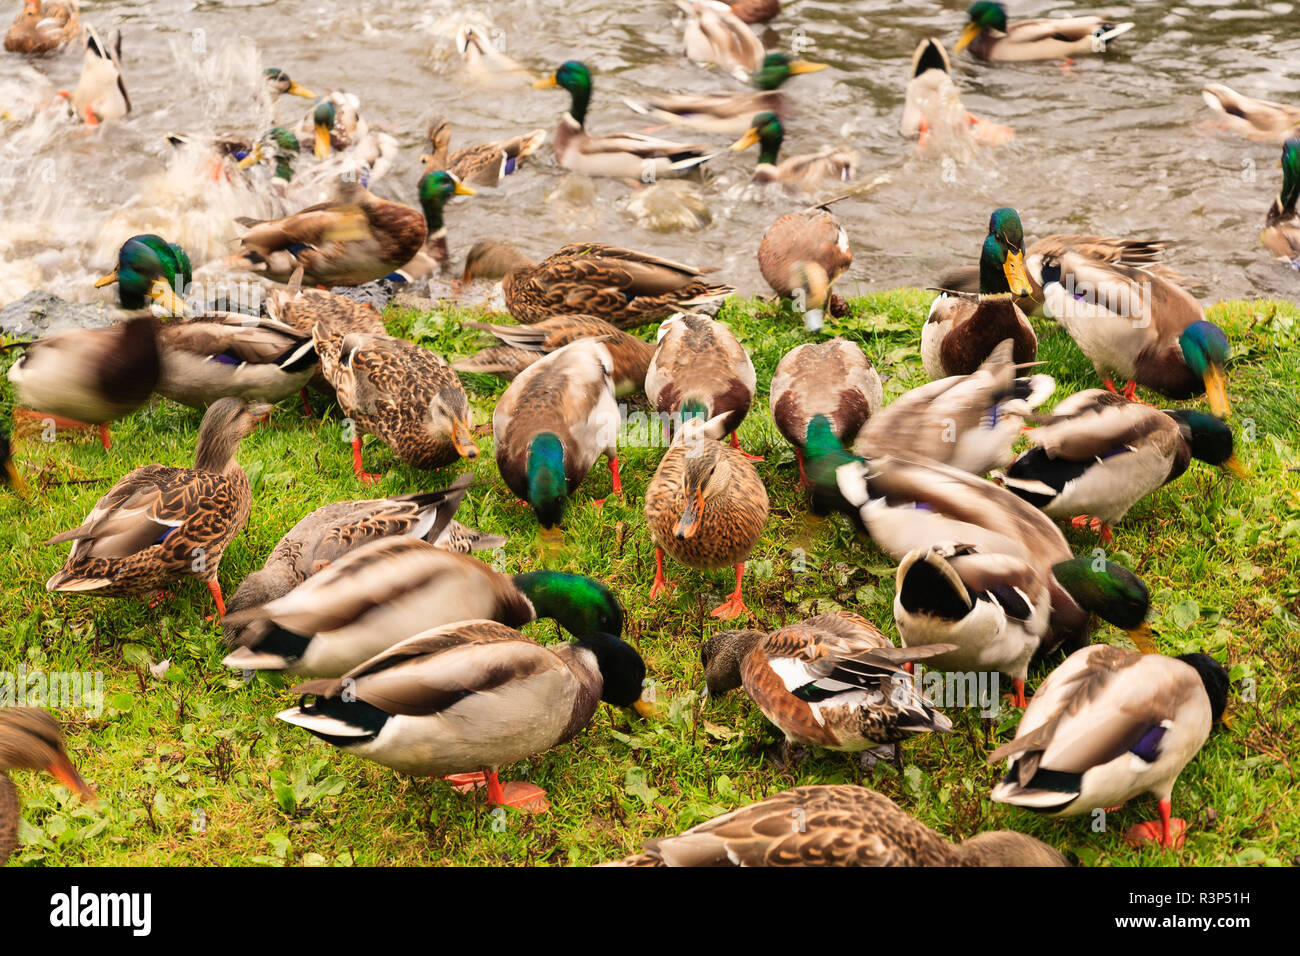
{"x": 412, "y": 644}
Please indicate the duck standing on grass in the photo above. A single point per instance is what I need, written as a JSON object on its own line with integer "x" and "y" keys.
{"x": 1108, "y": 725}
{"x": 160, "y": 524}
{"x": 464, "y": 699}
{"x": 706, "y": 506}
{"x": 801, "y": 255}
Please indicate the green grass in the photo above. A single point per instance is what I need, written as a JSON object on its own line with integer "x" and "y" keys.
{"x": 194, "y": 769}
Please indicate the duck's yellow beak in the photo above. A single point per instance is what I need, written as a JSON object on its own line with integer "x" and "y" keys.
{"x": 970, "y": 33}
{"x": 463, "y": 190}
{"x": 1216, "y": 390}
{"x": 746, "y": 141}
{"x": 302, "y": 91}
{"x": 545, "y": 83}
{"x": 803, "y": 66}
{"x": 323, "y": 145}
{"x": 165, "y": 296}
{"x": 1017, "y": 277}
{"x": 1234, "y": 465}
{"x": 253, "y": 158}
{"x": 1143, "y": 639}
{"x": 106, "y": 280}
{"x": 645, "y": 708}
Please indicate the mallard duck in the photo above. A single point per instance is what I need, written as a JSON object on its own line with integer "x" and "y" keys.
{"x": 1139, "y": 325}
{"x": 355, "y": 240}
{"x": 223, "y": 354}
{"x": 1108, "y": 725}
{"x": 9, "y": 473}
{"x": 806, "y": 171}
{"x": 483, "y": 57}
{"x": 159, "y": 524}
{"x": 832, "y": 379}
{"x": 30, "y": 739}
{"x": 405, "y": 395}
{"x": 700, "y": 369}
{"x": 42, "y": 26}
{"x": 150, "y": 270}
{"x": 436, "y": 188}
{"x": 715, "y": 36}
{"x": 730, "y": 113}
{"x": 101, "y": 92}
{"x": 755, "y": 11}
{"x": 961, "y": 331}
{"x": 386, "y": 590}
{"x": 908, "y": 506}
{"x": 483, "y": 165}
{"x": 621, "y": 286}
{"x": 470, "y": 697}
{"x": 88, "y": 376}
{"x": 835, "y": 825}
{"x": 706, "y": 506}
{"x": 526, "y": 344}
{"x": 832, "y": 681}
{"x": 802, "y": 254}
{"x": 1282, "y": 233}
{"x": 333, "y": 531}
{"x": 305, "y": 309}
{"x": 334, "y": 123}
{"x": 1253, "y": 118}
{"x": 624, "y": 155}
{"x": 990, "y": 37}
{"x": 1099, "y": 454}
{"x": 932, "y": 109}
{"x": 280, "y": 83}
{"x": 966, "y": 421}
{"x": 552, "y": 423}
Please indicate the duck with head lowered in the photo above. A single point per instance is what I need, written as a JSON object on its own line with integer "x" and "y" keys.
{"x": 30, "y": 739}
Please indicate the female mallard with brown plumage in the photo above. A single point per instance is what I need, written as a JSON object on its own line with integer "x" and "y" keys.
{"x": 355, "y": 240}
{"x": 621, "y": 286}
{"x": 229, "y": 354}
{"x": 1282, "y": 227}
{"x": 469, "y": 697}
{"x": 1099, "y": 454}
{"x": 624, "y": 155}
{"x": 44, "y": 25}
{"x": 525, "y": 344}
{"x": 392, "y": 588}
{"x": 755, "y": 11}
{"x": 1108, "y": 725}
{"x": 700, "y": 369}
{"x": 335, "y": 530}
{"x": 404, "y": 395}
{"x": 832, "y": 379}
{"x": 1253, "y": 118}
{"x": 160, "y": 524}
{"x": 830, "y": 681}
{"x": 30, "y": 739}
{"x": 556, "y": 418}
{"x": 706, "y": 506}
{"x": 990, "y": 37}
{"x": 962, "y": 331}
{"x": 802, "y": 254}
{"x": 85, "y": 377}
{"x": 838, "y": 825}
{"x": 1136, "y": 324}
{"x": 806, "y": 171}
{"x": 483, "y": 165}
{"x": 730, "y": 113}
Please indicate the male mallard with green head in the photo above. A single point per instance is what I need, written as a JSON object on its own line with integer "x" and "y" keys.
{"x": 990, "y": 37}
{"x": 806, "y": 171}
{"x": 1282, "y": 227}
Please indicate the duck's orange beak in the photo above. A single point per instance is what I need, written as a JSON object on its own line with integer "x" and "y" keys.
{"x": 62, "y": 770}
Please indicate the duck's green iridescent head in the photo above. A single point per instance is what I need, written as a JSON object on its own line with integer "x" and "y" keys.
{"x": 823, "y": 455}
{"x": 322, "y": 118}
{"x": 767, "y": 131}
{"x": 778, "y": 67}
{"x": 1290, "y": 175}
{"x": 1109, "y": 590}
{"x": 1205, "y": 350}
{"x": 581, "y": 605}
{"x": 984, "y": 15}
{"x": 435, "y": 189}
{"x": 280, "y": 82}
{"x": 1209, "y": 437}
{"x": 576, "y": 78}
{"x": 1002, "y": 271}
{"x": 547, "y": 486}
{"x": 149, "y": 269}
{"x": 1005, "y": 224}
